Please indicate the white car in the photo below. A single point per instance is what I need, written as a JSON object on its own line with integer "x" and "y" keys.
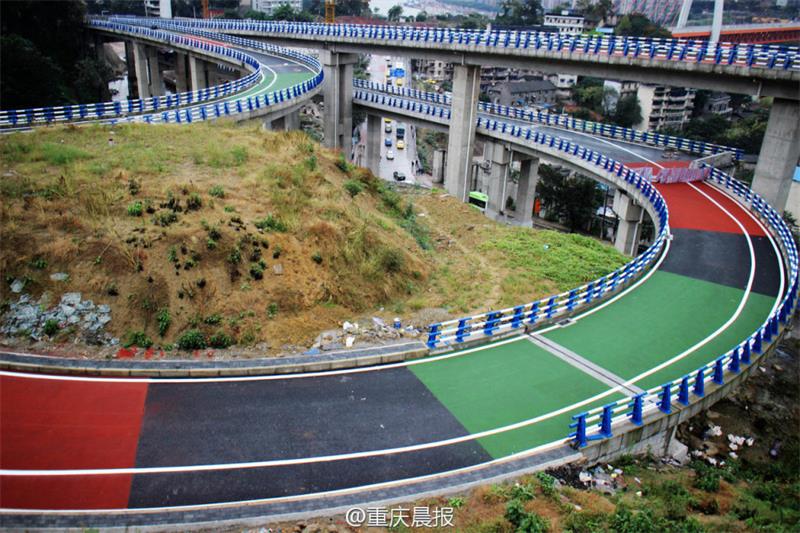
{"x": 390, "y": 154}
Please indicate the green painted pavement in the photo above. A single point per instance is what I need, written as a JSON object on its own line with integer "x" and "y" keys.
{"x": 506, "y": 384}
{"x": 663, "y": 317}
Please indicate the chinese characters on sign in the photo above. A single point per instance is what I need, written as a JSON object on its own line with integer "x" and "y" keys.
{"x": 400, "y": 516}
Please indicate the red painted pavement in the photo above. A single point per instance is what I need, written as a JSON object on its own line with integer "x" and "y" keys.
{"x": 688, "y": 209}
{"x": 56, "y": 424}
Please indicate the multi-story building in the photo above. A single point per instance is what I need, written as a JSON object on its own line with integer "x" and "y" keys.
{"x": 268, "y": 6}
{"x": 523, "y": 93}
{"x": 719, "y": 104}
{"x": 563, "y": 83}
{"x": 433, "y": 69}
{"x": 566, "y": 22}
{"x": 664, "y": 107}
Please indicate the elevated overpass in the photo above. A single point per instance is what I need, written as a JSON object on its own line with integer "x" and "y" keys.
{"x": 772, "y": 33}
{"x": 761, "y": 70}
{"x": 463, "y": 415}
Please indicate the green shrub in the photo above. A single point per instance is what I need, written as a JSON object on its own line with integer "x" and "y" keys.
{"x": 164, "y": 218}
{"x": 523, "y": 521}
{"x": 135, "y": 209}
{"x": 61, "y": 154}
{"x": 342, "y": 164}
{"x": 39, "y": 263}
{"x": 51, "y": 327}
{"x": 214, "y": 233}
{"x": 706, "y": 479}
{"x": 392, "y": 260}
{"x": 256, "y": 271}
{"x": 192, "y": 339}
{"x": 138, "y": 339}
{"x": 353, "y": 187}
{"x": 164, "y": 320}
{"x": 311, "y": 162}
{"x": 220, "y": 339}
{"x": 211, "y": 244}
{"x": 522, "y": 492}
{"x": 239, "y": 154}
{"x": 217, "y": 191}
{"x": 276, "y": 252}
{"x": 272, "y": 310}
{"x": 213, "y": 320}
{"x": 317, "y": 258}
{"x": 194, "y": 202}
{"x": 548, "y": 483}
{"x": 271, "y": 223}
{"x": 235, "y": 257}
{"x": 172, "y": 254}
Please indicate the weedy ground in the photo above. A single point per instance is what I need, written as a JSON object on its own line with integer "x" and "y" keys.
{"x": 249, "y": 236}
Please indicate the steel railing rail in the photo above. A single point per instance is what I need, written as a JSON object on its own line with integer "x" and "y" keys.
{"x": 611, "y": 131}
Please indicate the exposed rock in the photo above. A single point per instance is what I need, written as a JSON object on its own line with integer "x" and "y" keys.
{"x": 17, "y": 285}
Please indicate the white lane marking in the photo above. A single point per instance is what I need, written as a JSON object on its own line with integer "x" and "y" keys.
{"x": 778, "y": 255}
{"x": 274, "y": 76}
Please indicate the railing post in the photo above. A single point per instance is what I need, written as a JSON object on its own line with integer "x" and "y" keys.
{"x": 580, "y": 430}
{"x": 605, "y": 420}
{"x": 636, "y": 405}
{"x": 719, "y": 371}
{"x": 463, "y": 330}
{"x": 733, "y": 365}
{"x": 683, "y": 391}
{"x": 665, "y": 400}
{"x": 433, "y": 332}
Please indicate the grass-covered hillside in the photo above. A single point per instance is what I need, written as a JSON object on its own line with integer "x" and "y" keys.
{"x": 248, "y": 236}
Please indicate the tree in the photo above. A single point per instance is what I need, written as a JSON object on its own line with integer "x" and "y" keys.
{"x": 422, "y": 16}
{"x": 395, "y": 12}
{"x": 597, "y": 12}
{"x": 520, "y": 13}
{"x": 344, "y": 8}
{"x": 42, "y": 44}
{"x": 638, "y": 25}
{"x": 571, "y": 200}
{"x": 628, "y": 112}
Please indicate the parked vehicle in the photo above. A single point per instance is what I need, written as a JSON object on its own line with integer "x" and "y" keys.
{"x": 387, "y": 141}
{"x": 401, "y": 144}
{"x": 390, "y": 155}
{"x": 399, "y": 176}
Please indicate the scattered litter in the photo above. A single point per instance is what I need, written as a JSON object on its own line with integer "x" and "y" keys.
{"x": 349, "y": 341}
{"x": 59, "y": 276}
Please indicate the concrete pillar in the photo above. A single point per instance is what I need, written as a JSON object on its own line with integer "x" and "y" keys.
{"x": 780, "y": 152}
{"x": 140, "y": 61}
{"x": 197, "y": 73}
{"x": 154, "y": 70}
{"x": 374, "y": 135}
{"x": 526, "y": 190}
{"x": 130, "y": 61}
{"x": 629, "y": 228}
{"x": 292, "y": 121}
{"x": 338, "y": 94}
{"x": 438, "y": 166}
{"x": 500, "y": 157}
{"x": 461, "y": 135}
{"x": 181, "y": 77}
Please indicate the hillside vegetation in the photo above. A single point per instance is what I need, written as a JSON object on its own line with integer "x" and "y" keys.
{"x": 234, "y": 235}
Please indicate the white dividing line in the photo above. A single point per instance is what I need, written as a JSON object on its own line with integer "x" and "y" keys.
{"x": 778, "y": 256}
{"x": 274, "y": 76}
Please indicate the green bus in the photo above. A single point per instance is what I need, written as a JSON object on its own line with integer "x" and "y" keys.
{"x": 478, "y": 199}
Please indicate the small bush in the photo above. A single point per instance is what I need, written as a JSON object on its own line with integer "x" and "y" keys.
{"x": 235, "y": 257}
{"x": 229, "y": 209}
{"x": 342, "y": 164}
{"x": 134, "y": 187}
{"x": 211, "y": 244}
{"x": 522, "y": 492}
{"x": 239, "y": 154}
{"x": 214, "y": 233}
{"x": 276, "y": 252}
{"x": 51, "y": 327}
{"x": 353, "y": 187}
{"x": 138, "y": 339}
{"x": 213, "y": 320}
{"x": 271, "y": 223}
{"x": 317, "y": 258}
{"x": 165, "y": 218}
{"x": 548, "y": 483}
{"x": 706, "y": 480}
{"x": 164, "y": 320}
{"x": 194, "y": 202}
{"x": 192, "y": 339}
{"x": 39, "y": 263}
{"x": 220, "y": 339}
{"x": 272, "y": 310}
{"x": 135, "y": 209}
{"x": 256, "y": 271}
{"x": 311, "y": 162}
{"x": 392, "y": 260}
{"x": 217, "y": 191}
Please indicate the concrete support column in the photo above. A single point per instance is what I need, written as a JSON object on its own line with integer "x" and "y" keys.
{"x": 181, "y": 77}
{"x": 526, "y": 190}
{"x": 500, "y": 157}
{"x": 130, "y": 62}
{"x": 374, "y": 135}
{"x": 140, "y": 61}
{"x": 154, "y": 70}
{"x": 461, "y": 134}
{"x": 629, "y": 228}
{"x": 438, "y": 166}
{"x": 780, "y": 152}
{"x": 338, "y": 94}
{"x": 292, "y": 121}
{"x": 197, "y": 73}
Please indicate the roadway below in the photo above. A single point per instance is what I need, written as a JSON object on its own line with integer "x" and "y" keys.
{"x": 84, "y": 443}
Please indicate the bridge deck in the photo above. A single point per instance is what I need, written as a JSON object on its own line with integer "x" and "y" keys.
{"x": 718, "y": 282}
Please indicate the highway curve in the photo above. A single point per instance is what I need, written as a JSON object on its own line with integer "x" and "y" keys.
{"x": 84, "y": 443}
